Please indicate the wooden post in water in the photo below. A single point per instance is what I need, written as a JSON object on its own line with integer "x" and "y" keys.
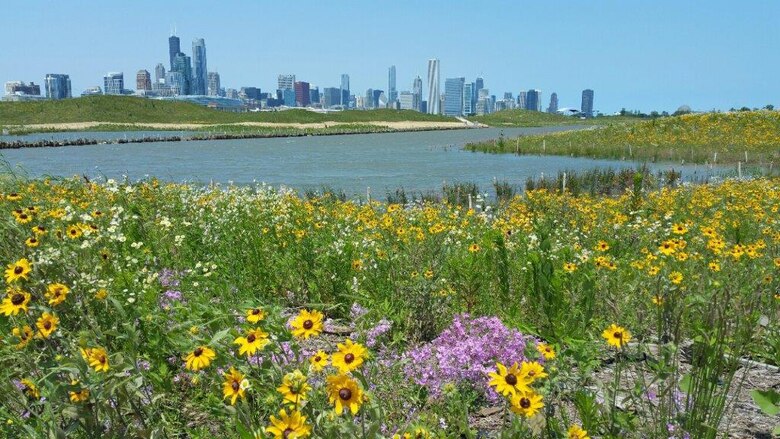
{"x": 563, "y": 190}
{"x": 517, "y": 146}
{"x": 739, "y": 169}
{"x": 544, "y": 145}
{"x": 715, "y": 159}
{"x": 469, "y": 201}
{"x": 746, "y": 156}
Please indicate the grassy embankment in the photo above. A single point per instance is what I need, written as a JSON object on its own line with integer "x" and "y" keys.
{"x": 525, "y": 118}
{"x": 719, "y": 138}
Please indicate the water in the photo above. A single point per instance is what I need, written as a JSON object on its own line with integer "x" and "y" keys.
{"x": 416, "y": 161}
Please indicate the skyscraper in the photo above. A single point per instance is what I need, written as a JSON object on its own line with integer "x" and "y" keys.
{"x": 417, "y": 92}
{"x": 533, "y": 100}
{"x": 173, "y": 48}
{"x": 522, "y": 100}
{"x": 183, "y": 65}
{"x": 433, "y": 87}
{"x": 57, "y": 86}
{"x": 301, "y": 94}
{"x": 175, "y": 83}
{"x": 468, "y": 98}
{"x": 159, "y": 73}
{"x": 453, "y": 100}
{"x": 331, "y": 96}
{"x": 213, "y": 85}
{"x": 479, "y": 83}
{"x": 286, "y": 82}
{"x": 587, "y": 103}
{"x": 114, "y": 83}
{"x": 143, "y": 80}
{"x": 199, "y": 67}
{"x": 553, "y": 103}
{"x": 392, "y": 93}
{"x": 344, "y": 90}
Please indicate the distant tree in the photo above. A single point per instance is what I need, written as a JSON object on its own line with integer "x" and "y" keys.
{"x": 665, "y": 113}
{"x": 623, "y": 111}
{"x": 769, "y": 107}
{"x": 744, "y": 109}
{"x": 654, "y": 114}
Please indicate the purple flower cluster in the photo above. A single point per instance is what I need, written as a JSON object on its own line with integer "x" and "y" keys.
{"x": 464, "y": 353}
{"x": 169, "y": 278}
{"x": 373, "y": 334}
{"x": 357, "y": 311}
{"x": 171, "y": 298}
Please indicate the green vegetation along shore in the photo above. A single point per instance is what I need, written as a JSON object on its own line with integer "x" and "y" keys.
{"x": 751, "y": 137}
{"x": 527, "y": 118}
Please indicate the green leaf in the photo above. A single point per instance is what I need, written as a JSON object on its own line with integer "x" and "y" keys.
{"x": 767, "y": 400}
{"x": 219, "y": 336}
{"x": 685, "y": 383}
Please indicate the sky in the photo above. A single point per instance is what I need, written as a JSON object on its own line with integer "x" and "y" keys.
{"x": 643, "y": 55}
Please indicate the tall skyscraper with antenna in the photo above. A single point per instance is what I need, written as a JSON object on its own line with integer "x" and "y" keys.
{"x": 199, "y": 70}
{"x": 174, "y": 48}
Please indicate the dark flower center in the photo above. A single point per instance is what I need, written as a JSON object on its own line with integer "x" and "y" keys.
{"x": 251, "y": 338}
{"x": 102, "y": 359}
{"x": 317, "y": 359}
{"x": 23, "y": 216}
{"x": 197, "y": 352}
{"x": 511, "y": 379}
{"x": 17, "y": 299}
{"x": 308, "y": 324}
{"x": 345, "y": 394}
{"x": 235, "y": 386}
{"x": 47, "y": 325}
{"x": 287, "y": 432}
{"x": 525, "y": 403}
{"x": 349, "y": 358}
{"x": 256, "y": 311}
{"x": 531, "y": 373}
{"x": 18, "y": 269}
{"x": 33, "y": 240}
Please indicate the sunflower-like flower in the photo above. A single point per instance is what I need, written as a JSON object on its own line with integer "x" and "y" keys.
{"x": 526, "y": 403}
{"x": 235, "y": 385}
{"x": 74, "y": 231}
{"x": 200, "y": 358}
{"x": 349, "y": 356}
{"x": 508, "y": 381}
{"x": 344, "y": 392}
{"x": 254, "y": 315}
{"x": 96, "y": 358}
{"x": 294, "y": 387}
{"x": 24, "y": 334}
{"x": 531, "y": 371}
{"x": 576, "y": 432}
{"x": 255, "y": 340}
{"x": 47, "y": 324}
{"x": 289, "y": 425}
{"x": 473, "y": 248}
{"x": 616, "y": 336}
{"x": 30, "y": 389}
{"x": 57, "y": 293}
{"x": 547, "y": 351}
{"x": 18, "y": 270}
{"x": 32, "y": 242}
{"x": 15, "y": 302}
{"x": 307, "y": 324}
{"x": 79, "y": 395}
{"x": 318, "y": 361}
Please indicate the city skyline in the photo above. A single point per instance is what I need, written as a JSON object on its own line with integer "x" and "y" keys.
{"x": 666, "y": 58}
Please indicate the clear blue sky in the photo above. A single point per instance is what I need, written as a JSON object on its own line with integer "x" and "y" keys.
{"x": 643, "y": 55}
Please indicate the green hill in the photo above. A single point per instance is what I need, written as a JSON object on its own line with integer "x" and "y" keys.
{"x": 527, "y": 118}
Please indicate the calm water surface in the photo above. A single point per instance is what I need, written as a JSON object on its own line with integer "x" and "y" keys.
{"x": 417, "y": 161}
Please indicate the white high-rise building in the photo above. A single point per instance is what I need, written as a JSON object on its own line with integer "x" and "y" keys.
{"x": 286, "y": 82}
{"x": 434, "y": 96}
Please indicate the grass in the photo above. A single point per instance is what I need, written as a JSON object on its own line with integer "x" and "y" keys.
{"x": 526, "y": 118}
{"x": 714, "y": 138}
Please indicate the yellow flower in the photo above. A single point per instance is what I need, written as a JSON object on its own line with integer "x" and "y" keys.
{"x": 32, "y": 242}
{"x": 473, "y": 248}
{"x": 668, "y": 247}
{"x": 24, "y": 334}
{"x": 531, "y": 371}
{"x": 602, "y": 246}
{"x": 254, "y": 315}
{"x": 349, "y": 356}
{"x": 57, "y": 293}
{"x": 344, "y": 392}
{"x": 39, "y": 230}
{"x": 357, "y": 264}
{"x": 234, "y": 386}
{"x": 255, "y": 340}
{"x": 79, "y": 395}
{"x": 18, "y": 270}
{"x": 507, "y": 381}
{"x": 101, "y": 294}
{"x": 15, "y": 301}
{"x": 679, "y": 229}
{"x": 569, "y": 267}
{"x": 30, "y": 389}
{"x": 616, "y": 336}
{"x": 47, "y": 323}
{"x": 307, "y": 324}
{"x": 200, "y": 358}
{"x": 658, "y": 300}
{"x": 714, "y": 266}
{"x": 318, "y": 361}
{"x": 288, "y": 425}
{"x": 547, "y": 351}
{"x": 74, "y": 231}
{"x": 575, "y": 432}
{"x": 294, "y": 387}
{"x": 97, "y": 358}
{"x": 526, "y": 403}
{"x": 676, "y": 277}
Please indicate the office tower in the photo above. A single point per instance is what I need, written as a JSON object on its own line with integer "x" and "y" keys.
{"x": 508, "y": 96}
{"x": 533, "y": 100}
{"x": 57, "y": 86}
{"x": 453, "y": 100}
{"x": 286, "y": 82}
{"x": 114, "y": 83}
{"x": 199, "y": 67}
{"x": 288, "y": 96}
{"x": 344, "y": 90}
{"x": 375, "y": 101}
{"x": 314, "y": 94}
{"x": 213, "y": 88}
{"x": 249, "y": 93}
{"x": 368, "y": 100}
{"x": 301, "y": 93}
{"x": 434, "y": 104}
{"x": 553, "y": 103}
{"x": 95, "y": 90}
{"x": 418, "y": 93}
{"x": 20, "y": 87}
{"x": 407, "y": 100}
{"x": 331, "y": 96}
{"x": 183, "y": 65}
{"x": 522, "y": 100}
{"x": 587, "y": 103}
{"x": 173, "y": 48}
{"x": 176, "y": 83}
{"x": 479, "y": 84}
{"x": 468, "y": 98}
{"x": 143, "y": 80}
{"x": 392, "y": 93}
{"x": 159, "y": 72}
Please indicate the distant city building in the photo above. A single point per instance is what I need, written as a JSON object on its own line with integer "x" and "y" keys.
{"x": 159, "y": 73}
{"x": 392, "y": 93}
{"x": 479, "y": 84}
{"x": 301, "y": 94}
{"x": 249, "y": 93}
{"x": 433, "y": 87}
{"x": 587, "y": 103}
{"x": 288, "y": 97}
{"x": 331, "y": 96}
{"x": 533, "y": 100}
{"x": 417, "y": 88}
{"x": 344, "y": 90}
{"x": 314, "y": 94}
{"x": 213, "y": 87}
{"x": 199, "y": 73}
{"x": 286, "y": 82}
{"x": 553, "y": 108}
{"x": 508, "y": 96}
{"x": 175, "y": 83}
{"x": 114, "y": 83}
{"x": 57, "y": 86}
{"x": 522, "y": 100}
{"x": 174, "y": 49}
{"x": 231, "y": 93}
{"x": 360, "y": 102}
{"x": 183, "y": 64}
{"x": 406, "y": 100}
{"x": 453, "y": 96}
{"x": 368, "y": 100}
{"x": 92, "y": 91}
{"x": 468, "y": 99}
{"x": 376, "y": 101}
{"x": 143, "y": 81}
{"x": 21, "y": 88}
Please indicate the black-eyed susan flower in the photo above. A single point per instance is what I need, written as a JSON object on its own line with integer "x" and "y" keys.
{"x": 616, "y": 336}
{"x": 256, "y": 339}
{"x": 667, "y": 247}
{"x": 526, "y": 403}
{"x": 30, "y": 389}
{"x": 602, "y": 246}
{"x": 74, "y": 231}
{"x": 294, "y": 387}
{"x": 235, "y": 386}
{"x": 57, "y": 293}
{"x": 576, "y": 432}
{"x": 569, "y": 267}
{"x": 357, "y": 264}
{"x": 531, "y": 371}
{"x": 24, "y": 334}
{"x": 39, "y": 230}
{"x": 344, "y": 392}
{"x": 676, "y": 277}
{"x": 254, "y": 315}
{"x": 547, "y": 351}
{"x": 679, "y": 229}
{"x": 318, "y": 361}
{"x": 657, "y": 300}
{"x": 32, "y": 242}
{"x": 13, "y": 196}
{"x": 97, "y": 358}
{"x": 79, "y": 394}
{"x": 101, "y": 294}
{"x": 200, "y": 358}
{"x": 473, "y": 248}
{"x": 349, "y": 356}
{"x": 289, "y": 425}
{"x": 507, "y": 381}
{"x": 307, "y": 324}
{"x": 18, "y": 270}
{"x": 15, "y": 302}
{"x": 47, "y": 324}
{"x": 714, "y": 266}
